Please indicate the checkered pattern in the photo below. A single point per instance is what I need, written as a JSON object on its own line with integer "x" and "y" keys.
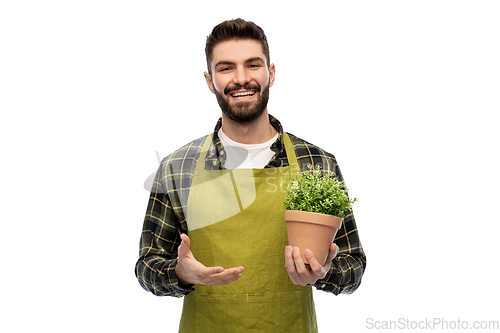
{"x": 165, "y": 217}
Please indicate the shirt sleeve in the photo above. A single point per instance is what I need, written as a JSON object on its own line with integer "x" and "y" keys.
{"x": 155, "y": 268}
{"x": 347, "y": 269}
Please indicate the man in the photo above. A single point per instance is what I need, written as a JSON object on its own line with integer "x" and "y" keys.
{"x": 235, "y": 269}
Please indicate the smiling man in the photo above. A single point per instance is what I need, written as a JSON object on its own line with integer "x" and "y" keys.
{"x": 235, "y": 269}
{"x": 244, "y": 82}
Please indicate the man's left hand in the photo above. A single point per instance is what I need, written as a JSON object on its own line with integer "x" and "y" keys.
{"x": 301, "y": 274}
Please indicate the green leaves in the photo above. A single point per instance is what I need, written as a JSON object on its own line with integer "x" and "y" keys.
{"x": 316, "y": 192}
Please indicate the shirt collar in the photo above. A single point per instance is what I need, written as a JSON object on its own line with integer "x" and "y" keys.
{"x": 216, "y": 155}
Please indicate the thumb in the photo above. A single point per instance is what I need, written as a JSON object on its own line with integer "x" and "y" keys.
{"x": 185, "y": 244}
{"x": 334, "y": 250}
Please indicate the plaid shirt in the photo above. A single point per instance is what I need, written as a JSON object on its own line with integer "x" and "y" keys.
{"x": 165, "y": 216}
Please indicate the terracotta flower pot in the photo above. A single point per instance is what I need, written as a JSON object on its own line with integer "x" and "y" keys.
{"x": 312, "y": 231}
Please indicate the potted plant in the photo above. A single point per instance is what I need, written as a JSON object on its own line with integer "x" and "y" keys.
{"x": 314, "y": 209}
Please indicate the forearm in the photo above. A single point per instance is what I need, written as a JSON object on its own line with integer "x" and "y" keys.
{"x": 160, "y": 239}
{"x": 345, "y": 274}
{"x": 155, "y": 268}
{"x": 347, "y": 268}
{"x": 157, "y": 275}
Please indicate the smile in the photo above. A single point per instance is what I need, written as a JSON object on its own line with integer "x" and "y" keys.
{"x": 242, "y": 94}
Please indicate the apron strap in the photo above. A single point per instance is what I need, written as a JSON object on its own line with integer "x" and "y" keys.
{"x": 290, "y": 153}
{"x": 203, "y": 153}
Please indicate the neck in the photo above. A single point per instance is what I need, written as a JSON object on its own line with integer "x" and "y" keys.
{"x": 253, "y": 132}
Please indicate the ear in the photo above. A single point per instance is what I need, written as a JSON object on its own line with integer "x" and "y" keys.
{"x": 210, "y": 84}
{"x": 272, "y": 73}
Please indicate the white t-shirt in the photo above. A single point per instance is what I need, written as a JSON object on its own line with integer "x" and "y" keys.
{"x": 247, "y": 156}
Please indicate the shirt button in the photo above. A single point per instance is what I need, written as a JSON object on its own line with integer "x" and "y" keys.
{"x": 323, "y": 286}
{"x": 215, "y": 163}
{"x": 222, "y": 153}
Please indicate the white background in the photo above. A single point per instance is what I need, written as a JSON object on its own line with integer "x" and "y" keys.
{"x": 403, "y": 93}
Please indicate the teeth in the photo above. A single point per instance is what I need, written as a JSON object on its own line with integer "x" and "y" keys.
{"x": 244, "y": 93}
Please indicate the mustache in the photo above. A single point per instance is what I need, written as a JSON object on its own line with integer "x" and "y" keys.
{"x": 246, "y": 86}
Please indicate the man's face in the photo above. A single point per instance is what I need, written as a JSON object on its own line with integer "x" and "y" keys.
{"x": 240, "y": 79}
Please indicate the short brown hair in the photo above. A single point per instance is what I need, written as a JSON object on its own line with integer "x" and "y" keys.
{"x": 235, "y": 29}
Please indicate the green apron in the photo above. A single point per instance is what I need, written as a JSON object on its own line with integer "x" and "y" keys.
{"x": 236, "y": 218}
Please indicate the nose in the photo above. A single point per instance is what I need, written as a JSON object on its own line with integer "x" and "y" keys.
{"x": 241, "y": 76}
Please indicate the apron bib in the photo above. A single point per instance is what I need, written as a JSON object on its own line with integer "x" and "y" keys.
{"x": 236, "y": 218}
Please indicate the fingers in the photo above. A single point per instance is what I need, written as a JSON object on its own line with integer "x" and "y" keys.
{"x": 191, "y": 271}
{"x": 227, "y": 276}
{"x": 291, "y": 265}
{"x": 313, "y": 262}
{"x": 209, "y": 271}
{"x": 197, "y": 273}
{"x": 316, "y": 266}
{"x": 302, "y": 274}
{"x": 299, "y": 262}
{"x": 220, "y": 276}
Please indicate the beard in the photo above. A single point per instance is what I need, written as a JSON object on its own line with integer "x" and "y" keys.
{"x": 243, "y": 112}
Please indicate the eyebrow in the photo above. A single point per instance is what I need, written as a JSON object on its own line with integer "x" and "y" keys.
{"x": 223, "y": 62}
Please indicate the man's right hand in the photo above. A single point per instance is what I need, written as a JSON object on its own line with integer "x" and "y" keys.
{"x": 191, "y": 271}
